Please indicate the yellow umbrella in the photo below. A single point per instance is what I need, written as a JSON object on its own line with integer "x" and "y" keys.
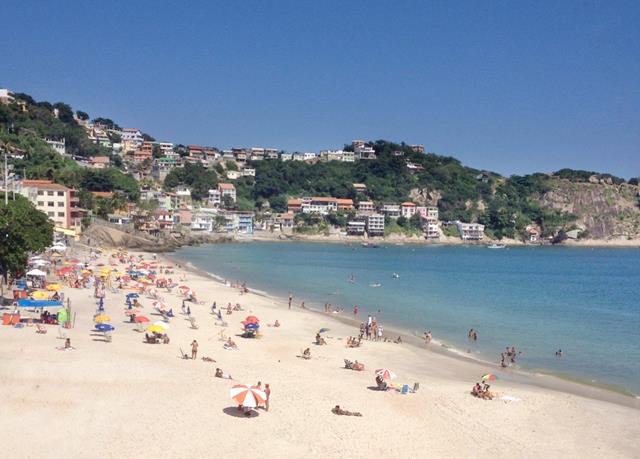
{"x": 155, "y": 329}
{"x": 102, "y": 318}
{"x": 54, "y": 287}
{"x": 39, "y": 295}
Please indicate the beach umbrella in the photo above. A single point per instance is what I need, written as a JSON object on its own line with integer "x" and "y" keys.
{"x": 40, "y": 295}
{"x": 102, "y": 318}
{"x": 132, "y": 295}
{"x": 163, "y": 325}
{"x": 490, "y": 377}
{"x": 104, "y": 327}
{"x": 141, "y": 319}
{"x": 159, "y": 304}
{"x": 184, "y": 287}
{"x": 251, "y": 319}
{"x": 155, "y": 329}
{"x": 36, "y": 272}
{"x": 323, "y": 330}
{"x": 385, "y": 373}
{"x": 252, "y": 326}
{"x": 53, "y": 287}
{"x": 132, "y": 312}
{"x": 248, "y": 396}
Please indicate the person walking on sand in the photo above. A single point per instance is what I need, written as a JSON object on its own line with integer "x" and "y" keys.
{"x": 290, "y": 299}
{"x": 267, "y": 391}
{"x": 355, "y": 311}
{"x": 194, "y": 349}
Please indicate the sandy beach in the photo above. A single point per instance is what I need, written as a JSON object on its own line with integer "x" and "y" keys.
{"x": 125, "y": 398}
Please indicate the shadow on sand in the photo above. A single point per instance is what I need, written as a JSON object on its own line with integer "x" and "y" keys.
{"x": 233, "y": 411}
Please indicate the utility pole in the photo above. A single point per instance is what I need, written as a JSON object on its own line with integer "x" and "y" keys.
{"x": 6, "y": 178}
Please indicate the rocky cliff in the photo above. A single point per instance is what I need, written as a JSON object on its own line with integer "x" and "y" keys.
{"x": 605, "y": 210}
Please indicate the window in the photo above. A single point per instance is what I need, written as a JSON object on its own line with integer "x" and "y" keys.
{"x": 49, "y": 193}
{"x": 40, "y": 192}
{"x": 51, "y": 214}
{"x": 60, "y": 204}
{"x": 60, "y": 193}
{"x": 41, "y": 203}
{"x": 50, "y": 203}
{"x": 60, "y": 214}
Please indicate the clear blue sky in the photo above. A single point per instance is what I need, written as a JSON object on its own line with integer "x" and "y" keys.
{"x": 510, "y": 86}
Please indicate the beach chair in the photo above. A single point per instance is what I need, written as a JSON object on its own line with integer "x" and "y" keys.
{"x": 192, "y": 320}
{"x": 416, "y": 386}
{"x": 41, "y": 329}
{"x": 405, "y": 389}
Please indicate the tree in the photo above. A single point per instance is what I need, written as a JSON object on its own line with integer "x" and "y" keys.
{"x": 147, "y": 138}
{"x": 84, "y": 116}
{"x": 23, "y": 230}
{"x": 228, "y": 202}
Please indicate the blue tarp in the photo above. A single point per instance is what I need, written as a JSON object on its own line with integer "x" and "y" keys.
{"x": 27, "y": 303}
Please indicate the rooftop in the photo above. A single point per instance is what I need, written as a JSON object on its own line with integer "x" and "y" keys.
{"x": 44, "y": 184}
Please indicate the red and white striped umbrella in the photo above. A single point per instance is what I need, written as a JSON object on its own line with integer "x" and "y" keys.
{"x": 248, "y": 396}
{"x": 159, "y": 304}
{"x": 385, "y": 373}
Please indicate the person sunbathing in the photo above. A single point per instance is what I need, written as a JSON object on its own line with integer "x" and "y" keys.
{"x": 276, "y": 323}
{"x": 230, "y": 344}
{"x": 340, "y": 412}
{"x": 221, "y": 374}
{"x": 357, "y": 366}
{"x": 382, "y": 385}
{"x": 477, "y": 390}
{"x": 207, "y": 359}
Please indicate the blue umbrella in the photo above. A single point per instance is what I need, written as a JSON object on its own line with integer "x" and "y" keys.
{"x": 322, "y": 330}
{"x": 104, "y": 327}
{"x": 252, "y": 326}
{"x": 132, "y": 295}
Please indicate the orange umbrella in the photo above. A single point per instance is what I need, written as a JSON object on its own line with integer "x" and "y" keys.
{"x": 248, "y": 396}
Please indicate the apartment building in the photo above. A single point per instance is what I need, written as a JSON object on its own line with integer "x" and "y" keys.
{"x": 470, "y": 231}
{"x": 59, "y": 203}
{"x": 375, "y": 225}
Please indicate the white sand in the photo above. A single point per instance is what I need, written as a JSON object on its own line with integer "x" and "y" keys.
{"x": 130, "y": 399}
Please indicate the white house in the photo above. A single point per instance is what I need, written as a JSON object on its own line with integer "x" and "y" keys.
{"x": 470, "y": 231}
{"x": 407, "y": 209}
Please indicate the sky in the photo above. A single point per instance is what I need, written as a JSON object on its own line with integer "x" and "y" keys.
{"x": 510, "y": 86}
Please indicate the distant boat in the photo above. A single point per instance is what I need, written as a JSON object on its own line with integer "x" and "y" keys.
{"x": 375, "y": 285}
{"x": 496, "y": 246}
{"x": 370, "y": 245}
{"x": 395, "y": 276}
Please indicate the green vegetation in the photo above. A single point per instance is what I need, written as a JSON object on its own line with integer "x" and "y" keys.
{"x": 23, "y": 230}
{"x": 195, "y": 176}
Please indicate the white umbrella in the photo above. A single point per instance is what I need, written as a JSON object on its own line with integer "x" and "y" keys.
{"x": 249, "y": 396}
{"x": 36, "y": 272}
{"x": 162, "y": 324}
{"x": 58, "y": 248}
{"x": 39, "y": 262}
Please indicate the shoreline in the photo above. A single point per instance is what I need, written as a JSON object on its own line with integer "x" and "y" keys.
{"x": 541, "y": 378}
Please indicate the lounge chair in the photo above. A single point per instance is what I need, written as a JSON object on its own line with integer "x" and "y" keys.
{"x": 192, "y": 320}
{"x": 416, "y": 386}
{"x": 41, "y": 329}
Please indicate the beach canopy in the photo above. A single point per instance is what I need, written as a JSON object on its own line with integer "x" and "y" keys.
{"x": 385, "y": 373}
{"x": 26, "y": 303}
{"x": 141, "y": 319}
{"x": 155, "y": 329}
{"x": 36, "y": 272}
{"x": 102, "y": 318}
{"x": 248, "y": 396}
{"x": 490, "y": 377}
{"x": 104, "y": 327}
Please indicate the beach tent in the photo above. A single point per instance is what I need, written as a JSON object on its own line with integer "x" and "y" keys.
{"x": 36, "y": 272}
{"x": 26, "y": 303}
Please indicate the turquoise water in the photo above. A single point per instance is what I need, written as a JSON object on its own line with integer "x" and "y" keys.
{"x": 584, "y": 301}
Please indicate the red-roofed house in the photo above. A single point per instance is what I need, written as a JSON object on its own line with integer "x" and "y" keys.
{"x": 99, "y": 162}
{"x": 408, "y": 209}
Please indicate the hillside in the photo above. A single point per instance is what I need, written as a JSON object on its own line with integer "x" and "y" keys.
{"x": 600, "y": 205}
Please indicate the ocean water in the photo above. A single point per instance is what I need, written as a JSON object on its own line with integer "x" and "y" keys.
{"x": 583, "y": 301}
